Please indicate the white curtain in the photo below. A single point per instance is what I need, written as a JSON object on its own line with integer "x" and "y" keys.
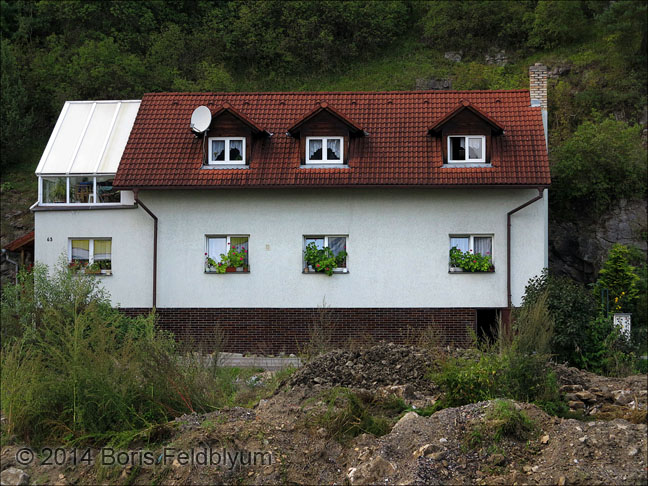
{"x": 483, "y": 245}
{"x": 216, "y": 246}
{"x": 333, "y": 150}
{"x": 315, "y": 149}
{"x": 337, "y": 244}
{"x": 474, "y": 148}
{"x": 236, "y": 149}
{"x": 460, "y": 243}
{"x": 218, "y": 150}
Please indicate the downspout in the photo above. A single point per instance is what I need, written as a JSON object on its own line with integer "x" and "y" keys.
{"x": 508, "y": 242}
{"x": 155, "y": 240}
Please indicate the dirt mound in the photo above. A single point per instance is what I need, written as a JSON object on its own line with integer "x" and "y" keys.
{"x": 380, "y": 365}
{"x": 437, "y": 450}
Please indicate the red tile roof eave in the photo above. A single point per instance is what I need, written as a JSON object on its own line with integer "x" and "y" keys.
{"x": 335, "y": 186}
{"x": 19, "y": 242}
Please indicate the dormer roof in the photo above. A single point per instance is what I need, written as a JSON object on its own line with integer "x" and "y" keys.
{"x": 465, "y": 105}
{"x": 227, "y": 108}
{"x": 354, "y": 128}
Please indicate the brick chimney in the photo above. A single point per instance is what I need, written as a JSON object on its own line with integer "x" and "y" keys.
{"x": 538, "y": 90}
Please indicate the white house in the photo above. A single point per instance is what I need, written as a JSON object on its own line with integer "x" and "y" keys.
{"x": 129, "y": 191}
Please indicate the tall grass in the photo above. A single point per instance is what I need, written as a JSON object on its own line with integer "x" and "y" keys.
{"x": 514, "y": 367}
{"x": 73, "y": 367}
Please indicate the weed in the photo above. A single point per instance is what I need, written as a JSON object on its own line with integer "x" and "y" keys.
{"x": 350, "y": 414}
{"x": 320, "y": 333}
{"x": 502, "y": 420}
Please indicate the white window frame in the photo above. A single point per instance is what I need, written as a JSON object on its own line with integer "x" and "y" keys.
{"x": 67, "y": 202}
{"x": 227, "y": 160}
{"x": 467, "y": 160}
{"x": 90, "y": 250}
{"x": 471, "y": 243}
{"x": 227, "y": 244}
{"x": 326, "y": 243}
{"x": 325, "y": 151}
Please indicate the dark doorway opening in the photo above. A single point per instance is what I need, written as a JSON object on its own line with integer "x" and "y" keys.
{"x": 487, "y": 324}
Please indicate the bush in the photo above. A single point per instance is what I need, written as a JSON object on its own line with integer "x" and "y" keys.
{"x": 619, "y": 279}
{"x": 572, "y": 308}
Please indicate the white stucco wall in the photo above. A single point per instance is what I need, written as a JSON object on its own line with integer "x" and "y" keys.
{"x": 131, "y": 231}
{"x": 398, "y": 241}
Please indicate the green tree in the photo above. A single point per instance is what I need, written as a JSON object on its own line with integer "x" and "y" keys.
{"x": 474, "y": 26}
{"x": 599, "y": 164}
{"x": 619, "y": 278}
{"x": 557, "y": 23}
{"x": 15, "y": 118}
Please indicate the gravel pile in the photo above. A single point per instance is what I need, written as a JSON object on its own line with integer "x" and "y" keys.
{"x": 380, "y": 365}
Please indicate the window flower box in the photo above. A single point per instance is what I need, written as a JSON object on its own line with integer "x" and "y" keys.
{"x": 470, "y": 262}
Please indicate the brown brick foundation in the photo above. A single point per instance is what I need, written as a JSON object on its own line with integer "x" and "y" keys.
{"x": 269, "y": 330}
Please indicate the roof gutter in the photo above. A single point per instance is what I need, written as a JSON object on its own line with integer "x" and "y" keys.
{"x": 508, "y": 242}
{"x": 155, "y": 240}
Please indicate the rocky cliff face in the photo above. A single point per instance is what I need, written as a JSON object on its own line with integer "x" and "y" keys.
{"x": 579, "y": 248}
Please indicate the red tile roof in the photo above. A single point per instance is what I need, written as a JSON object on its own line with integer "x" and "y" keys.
{"x": 162, "y": 152}
{"x": 353, "y": 127}
{"x": 18, "y": 243}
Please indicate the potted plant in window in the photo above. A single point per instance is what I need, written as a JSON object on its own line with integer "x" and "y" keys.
{"x": 323, "y": 260}
{"x": 234, "y": 260}
{"x": 76, "y": 265}
{"x": 470, "y": 262}
{"x": 93, "y": 269}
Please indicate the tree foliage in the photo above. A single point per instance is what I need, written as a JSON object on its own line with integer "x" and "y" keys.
{"x": 599, "y": 164}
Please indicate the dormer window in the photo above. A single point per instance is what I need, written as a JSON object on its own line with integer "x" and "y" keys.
{"x": 466, "y": 148}
{"x": 227, "y": 151}
{"x": 324, "y": 150}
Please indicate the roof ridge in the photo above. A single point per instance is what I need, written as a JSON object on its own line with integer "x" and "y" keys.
{"x": 240, "y": 93}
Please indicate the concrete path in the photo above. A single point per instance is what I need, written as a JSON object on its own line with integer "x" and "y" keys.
{"x": 269, "y": 364}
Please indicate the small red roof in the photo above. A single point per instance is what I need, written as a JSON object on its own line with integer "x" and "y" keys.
{"x": 466, "y": 105}
{"x": 16, "y": 244}
{"x": 162, "y": 152}
{"x": 227, "y": 108}
{"x": 325, "y": 107}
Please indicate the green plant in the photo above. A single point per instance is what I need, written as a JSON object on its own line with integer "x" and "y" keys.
{"x": 572, "y": 307}
{"x": 503, "y": 419}
{"x": 234, "y": 258}
{"x": 350, "y": 414}
{"x": 470, "y": 262}
{"x": 323, "y": 259}
{"x": 93, "y": 268}
{"x": 75, "y": 369}
{"x": 619, "y": 278}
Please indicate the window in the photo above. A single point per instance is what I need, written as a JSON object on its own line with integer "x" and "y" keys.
{"x": 328, "y": 254}
{"x": 466, "y": 149}
{"x": 93, "y": 255}
{"x": 75, "y": 190}
{"x": 226, "y": 151}
{"x": 227, "y": 254}
{"x": 324, "y": 150}
{"x": 472, "y": 253}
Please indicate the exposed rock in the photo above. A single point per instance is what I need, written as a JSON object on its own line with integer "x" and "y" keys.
{"x": 498, "y": 58}
{"x": 580, "y": 248}
{"x": 371, "y": 472}
{"x": 13, "y": 476}
{"x": 454, "y": 56}
{"x": 432, "y": 84}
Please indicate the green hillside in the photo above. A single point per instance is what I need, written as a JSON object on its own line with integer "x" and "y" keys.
{"x": 54, "y": 51}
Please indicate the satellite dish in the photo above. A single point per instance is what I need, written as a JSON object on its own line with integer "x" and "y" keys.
{"x": 200, "y": 119}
